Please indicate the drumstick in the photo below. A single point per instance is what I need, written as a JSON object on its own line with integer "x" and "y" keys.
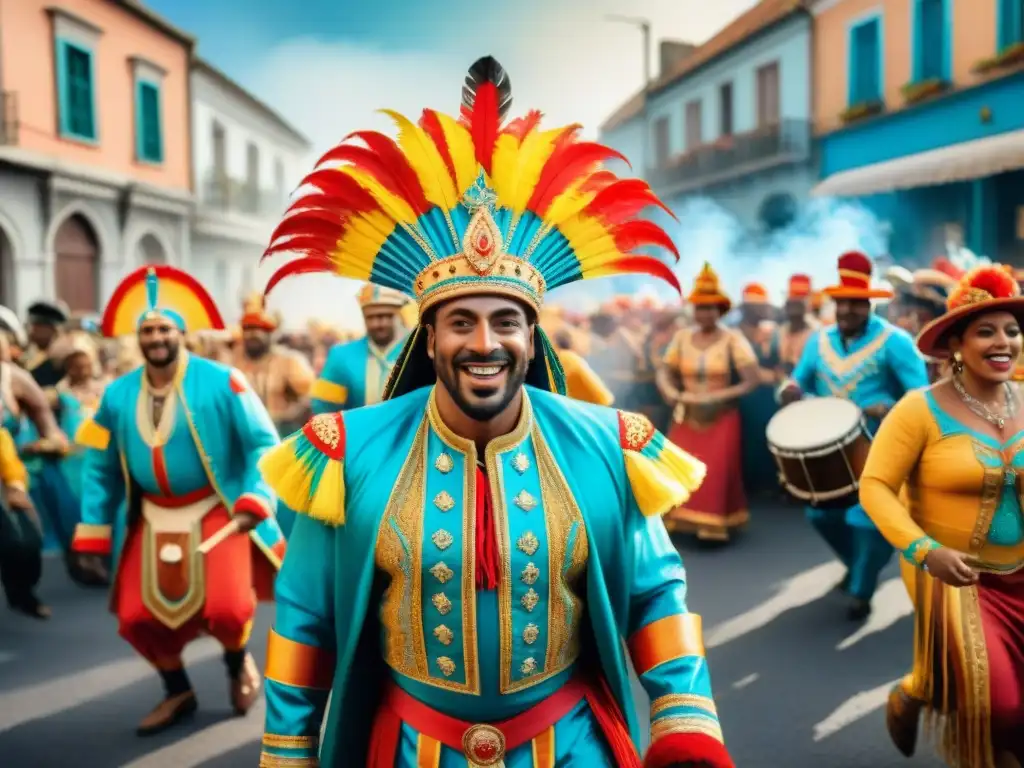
{"x": 228, "y": 530}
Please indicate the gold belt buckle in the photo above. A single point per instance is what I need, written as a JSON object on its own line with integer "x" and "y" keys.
{"x": 484, "y": 745}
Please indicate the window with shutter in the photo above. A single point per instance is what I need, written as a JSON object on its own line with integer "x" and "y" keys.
{"x": 694, "y": 127}
{"x": 931, "y": 40}
{"x": 75, "y": 89}
{"x": 865, "y": 63}
{"x": 1011, "y": 23}
{"x": 150, "y": 131}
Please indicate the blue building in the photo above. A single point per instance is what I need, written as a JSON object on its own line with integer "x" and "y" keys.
{"x": 729, "y": 120}
{"x": 919, "y": 112}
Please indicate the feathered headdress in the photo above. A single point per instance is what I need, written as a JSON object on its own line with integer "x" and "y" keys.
{"x": 159, "y": 291}
{"x": 471, "y": 205}
{"x": 986, "y": 288}
{"x": 475, "y": 204}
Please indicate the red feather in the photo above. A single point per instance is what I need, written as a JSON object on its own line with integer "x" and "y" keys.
{"x": 367, "y": 160}
{"x": 346, "y": 190}
{"x": 599, "y": 180}
{"x": 624, "y": 199}
{"x": 646, "y": 265}
{"x": 484, "y": 122}
{"x": 394, "y": 159}
{"x": 640, "y": 233}
{"x": 304, "y": 266}
{"x": 566, "y": 166}
{"x": 520, "y": 127}
{"x": 313, "y": 226}
{"x": 432, "y": 127}
{"x": 310, "y": 244}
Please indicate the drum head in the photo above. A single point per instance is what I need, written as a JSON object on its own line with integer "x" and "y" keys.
{"x": 811, "y": 423}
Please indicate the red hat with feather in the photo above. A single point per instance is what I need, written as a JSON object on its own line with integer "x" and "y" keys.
{"x": 989, "y": 288}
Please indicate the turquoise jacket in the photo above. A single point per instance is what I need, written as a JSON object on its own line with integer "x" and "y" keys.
{"x": 879, "y": 367}
{"x": 230, "y": 431}
{"x": 380, "y": 575}
{"x": 342, "y": 383}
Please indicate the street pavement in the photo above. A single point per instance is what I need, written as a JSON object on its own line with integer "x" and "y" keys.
{"x": 797, "y": 685}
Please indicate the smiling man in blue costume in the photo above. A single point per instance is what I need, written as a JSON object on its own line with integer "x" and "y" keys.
{"x": 472, "y": 553}
{"x": 868, "y": 360}
{"x": 172, "y": 462}
{"x": 355, "y": 372}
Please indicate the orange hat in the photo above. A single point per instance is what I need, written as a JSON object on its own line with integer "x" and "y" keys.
{"x": 707, "y": 291}
{"x": 855, "y": 279}
{"x": 799, "y": 287}
{"x": 256, "y": 316}
{"x": 754, "y": 293}
{"x": 984, "y": 289}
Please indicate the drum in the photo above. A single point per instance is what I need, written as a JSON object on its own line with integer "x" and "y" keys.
{"x": 820, "y": 446}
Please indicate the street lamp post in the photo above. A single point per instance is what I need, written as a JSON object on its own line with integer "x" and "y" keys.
{"x": 644, "y": 25}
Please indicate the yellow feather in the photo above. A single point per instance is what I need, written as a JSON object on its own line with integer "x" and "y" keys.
{"x": 568, "y": 204}
{"x": 426, "y": 160}
{"x": 503, "y": 166}
{"x": 359, "y": 245}
{"x": 394, "y": 206}
{"x": 534, "y": 152}
{"x": 589, "y": 240}
{"x": 462, "y": 152}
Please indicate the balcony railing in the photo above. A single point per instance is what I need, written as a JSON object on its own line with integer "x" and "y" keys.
{"x": 8, "y": 118}
{"x": 788, "y": 141}
{"x": 229, "y": 195}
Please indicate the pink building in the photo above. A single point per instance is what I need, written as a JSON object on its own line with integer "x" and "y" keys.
{"x": 95, "y": 155}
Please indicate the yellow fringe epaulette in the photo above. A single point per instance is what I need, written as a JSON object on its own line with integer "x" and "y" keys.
{"x": 92, "y": 435}
{"x": 307, "y": 471}
{"x": 329, "y": 392}
{"x": 661, "y": 474}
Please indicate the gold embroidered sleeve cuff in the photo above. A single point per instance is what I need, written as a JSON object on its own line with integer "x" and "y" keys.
{"x": 919, "y": 549}
{"x": 667, "y": 639}
{"x": 298, "y": 664}
{"x": 271, "y": 760}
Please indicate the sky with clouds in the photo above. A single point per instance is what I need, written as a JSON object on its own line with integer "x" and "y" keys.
{"x": 328, "y": 65}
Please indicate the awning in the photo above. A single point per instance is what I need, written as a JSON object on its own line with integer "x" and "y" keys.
{"x": 957, "y": 162}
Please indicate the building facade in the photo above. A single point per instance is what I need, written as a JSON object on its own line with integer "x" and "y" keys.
{"x": 247, "y": 160}
{"x": 95, "y": 172}
{"x": 730, "y": 120}
{"x": 918, "y": 110}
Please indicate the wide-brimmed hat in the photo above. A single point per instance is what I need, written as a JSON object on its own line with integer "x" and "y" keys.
{"x": 707, "y": 290}
{"x": 855, "y": 279}
{"x": 754, "y": 293}
{"x": 989, "y": 288}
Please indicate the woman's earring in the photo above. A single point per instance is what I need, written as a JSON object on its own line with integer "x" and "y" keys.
{"x": 958, "y": 363}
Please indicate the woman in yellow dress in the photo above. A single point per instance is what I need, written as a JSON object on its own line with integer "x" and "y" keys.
{"x": 943, "y": 485}
{"x": 706, "y": 369}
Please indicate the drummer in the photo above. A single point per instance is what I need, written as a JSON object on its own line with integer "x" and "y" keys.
{"x": 868, "y": 360}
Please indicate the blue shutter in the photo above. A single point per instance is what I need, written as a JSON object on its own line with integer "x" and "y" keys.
{"x": 1011, "y": 23}
{"x": 75, "y": 73}
{"x": 867, "y": 76}
{"x": 149, "y": 130}
{"x": 931, "y": 51}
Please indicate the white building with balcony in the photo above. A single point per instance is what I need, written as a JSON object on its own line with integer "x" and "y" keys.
{"x": 246, "y": 161}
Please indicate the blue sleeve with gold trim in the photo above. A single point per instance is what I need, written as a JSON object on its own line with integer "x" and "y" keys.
{"x": 256, "y": 435}
{"x": 665, "y": 639}
{"x": 103, "y": 488}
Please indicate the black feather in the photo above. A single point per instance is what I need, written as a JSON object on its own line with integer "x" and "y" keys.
{"x": 487, "y": 70}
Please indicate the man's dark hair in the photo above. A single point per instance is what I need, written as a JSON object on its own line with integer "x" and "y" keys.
{"x": 430, "y": 316}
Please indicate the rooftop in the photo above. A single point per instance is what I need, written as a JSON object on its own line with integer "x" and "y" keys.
{"x": 140, "y": 11}
{"x": 747, "y": 24}
{"x": 211, "y": 71}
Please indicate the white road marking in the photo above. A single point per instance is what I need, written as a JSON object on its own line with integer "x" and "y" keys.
{"x": 800, "y": 590}
{"x": 891, "y": 604}
{"x": 198, "y": 747}
{"x": 6, "y": 657}
{"x": 46, "y": 699}
{"x": 853, "y": 709}
{"x": 743, "y": 682}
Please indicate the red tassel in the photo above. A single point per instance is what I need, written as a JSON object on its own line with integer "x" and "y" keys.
{"x": 385, "y": 734}
{"x": 612, "y": 724}
{"x": 486, "y": 536}
{"x": 690, "y": 749}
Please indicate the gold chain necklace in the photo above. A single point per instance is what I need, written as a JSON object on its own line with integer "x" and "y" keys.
{"x": 982, "y": 410}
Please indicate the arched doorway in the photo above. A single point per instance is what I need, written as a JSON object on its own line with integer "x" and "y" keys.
{"x": 77, "y": 267}
{"x": 7, "y": 297}
{"x": 150, "y": 251}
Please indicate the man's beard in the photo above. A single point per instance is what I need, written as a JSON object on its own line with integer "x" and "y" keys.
{"x": 172, "y": 354}
{"x": 449, "y": 371}
{"x": 256, "y": 349}
{"x": 382, "y": 339}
